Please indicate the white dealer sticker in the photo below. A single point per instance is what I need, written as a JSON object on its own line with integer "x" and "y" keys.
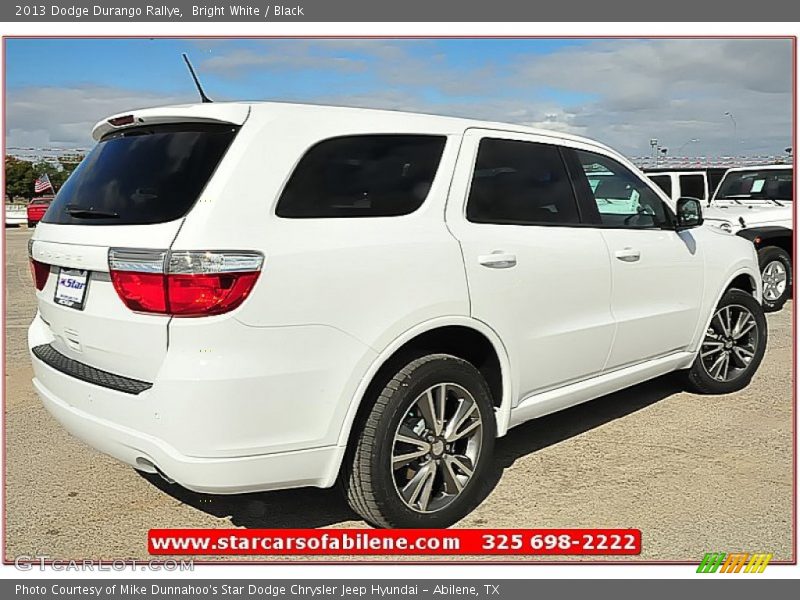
{"x": 71, "y": 288}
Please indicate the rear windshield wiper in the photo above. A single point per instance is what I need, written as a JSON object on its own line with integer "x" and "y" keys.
{"x": 90, "y": 213}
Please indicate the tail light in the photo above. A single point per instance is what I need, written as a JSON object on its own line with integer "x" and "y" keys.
{"x": 40, "y": 273}
{"x": 184, "y": 283}
{"x": 39, "y": 270}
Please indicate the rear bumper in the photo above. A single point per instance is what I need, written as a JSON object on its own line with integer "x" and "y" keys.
{"x": 217, "y": 427}
{"x": 221, "y": 476}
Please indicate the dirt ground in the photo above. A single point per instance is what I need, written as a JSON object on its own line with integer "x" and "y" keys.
{"x": 695, "y": 474}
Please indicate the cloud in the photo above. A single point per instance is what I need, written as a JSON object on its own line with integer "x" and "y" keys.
{"x": 676, "y": 90}
{"x": 50, "y": 117}
{"x": 239, "y": 61}
{"x": 621, "y": 92}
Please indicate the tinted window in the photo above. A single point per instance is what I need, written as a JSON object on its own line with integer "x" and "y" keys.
{"x": 623, "y": 200}
{"x": 520, "y": 183}
{"x": 767, "y": 184}
{"x": 714, "y": 177}
{"x": 362, "y": 176}
{"x": 141, "y": 176}
{"x": 693, "y": 186}
{"x": 664, "y": 182}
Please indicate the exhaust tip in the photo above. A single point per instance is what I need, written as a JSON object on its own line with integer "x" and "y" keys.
{"x": 148, "y": 466}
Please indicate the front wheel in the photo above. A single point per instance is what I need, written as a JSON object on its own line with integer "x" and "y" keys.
{"x": 732, "y": 347}
{"x": 776, "y": 275}
{"x": 425, "y": 446}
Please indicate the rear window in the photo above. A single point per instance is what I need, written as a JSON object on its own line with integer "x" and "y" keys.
{"x": 142, "y": 175}
{"x": 520, "y": 183}
{"x": 362, "y": 176}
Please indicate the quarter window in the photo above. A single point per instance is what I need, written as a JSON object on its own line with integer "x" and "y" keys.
{"x": 520, "y": 183}
{"x": 693, "y": 186}
{"x": 362, "y": 176}
{"x": 623, "y": 200}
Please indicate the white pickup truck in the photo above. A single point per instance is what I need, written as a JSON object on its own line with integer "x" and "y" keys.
{"x": 756, "y": 204}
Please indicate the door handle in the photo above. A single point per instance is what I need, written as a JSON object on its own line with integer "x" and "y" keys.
{"x": 628, "y": 255}
{"x": 498, "y": 260}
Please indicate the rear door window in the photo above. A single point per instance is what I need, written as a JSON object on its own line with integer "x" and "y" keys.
{"x": 521, "y": 183}
{"x": 362, "y": 176}
{"x": 142, "y": 175}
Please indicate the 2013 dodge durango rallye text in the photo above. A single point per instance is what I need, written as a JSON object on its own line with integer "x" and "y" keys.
{"x": 248, "y": 297}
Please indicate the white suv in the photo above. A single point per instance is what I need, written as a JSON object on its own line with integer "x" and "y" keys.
{"x": 248, "y": 297}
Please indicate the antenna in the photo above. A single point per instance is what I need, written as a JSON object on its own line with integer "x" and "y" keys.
{"x": 203, "y": 97}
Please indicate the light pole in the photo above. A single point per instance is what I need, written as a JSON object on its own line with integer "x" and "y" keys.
{"x": 686, "y": 143}
{"x": 735, "y": 128}
{"x": 660, "y": 152}
{"x": 653, "y": 149}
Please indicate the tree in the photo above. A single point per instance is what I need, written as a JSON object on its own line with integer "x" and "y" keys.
{"x": 19, "y": 178}
{"x": 69, "y": 161}
{"x": 21, "y": 174}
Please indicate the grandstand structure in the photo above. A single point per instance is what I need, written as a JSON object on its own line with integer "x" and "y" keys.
{"x": 643, "y": 162}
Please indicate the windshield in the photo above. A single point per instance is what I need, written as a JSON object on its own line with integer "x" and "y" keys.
{"x": 142, "y": 175}
{"x": 765, "y": 184}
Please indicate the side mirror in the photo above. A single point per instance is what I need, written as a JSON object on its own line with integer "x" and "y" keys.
{"x": 689, "y": 213}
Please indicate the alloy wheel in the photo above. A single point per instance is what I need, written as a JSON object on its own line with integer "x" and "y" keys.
{"x": 436, "y": 447}
{"x": 730, "y": 343}
{"x": 774, "y": 277}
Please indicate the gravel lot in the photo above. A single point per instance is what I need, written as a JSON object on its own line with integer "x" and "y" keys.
{"x": 695, "y": 474}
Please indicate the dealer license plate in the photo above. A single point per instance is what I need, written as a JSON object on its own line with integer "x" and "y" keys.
{"x": 71, "y": 288}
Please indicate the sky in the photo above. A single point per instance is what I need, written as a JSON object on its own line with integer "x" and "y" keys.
{"x": 699, "y": 97}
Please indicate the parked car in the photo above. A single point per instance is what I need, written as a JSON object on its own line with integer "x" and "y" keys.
{"x": 36, "y": 209}
{"x": 405, "y": 289}
{"x": 15, "y": 215}
{"x": 694, "y": 183}
{"x": 756, "y": 203}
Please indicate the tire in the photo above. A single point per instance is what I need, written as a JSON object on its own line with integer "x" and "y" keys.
{"x": 775, "y": 265}
{"x": 442, "y": 492}
{"x": 707, "y": 375}
{"x": 31, "y": 224}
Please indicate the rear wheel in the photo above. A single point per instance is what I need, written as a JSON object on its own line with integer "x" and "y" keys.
{"x": 733, "y": 346}
{"x": 425, "y": 446}
{"x": 776, "y": 275}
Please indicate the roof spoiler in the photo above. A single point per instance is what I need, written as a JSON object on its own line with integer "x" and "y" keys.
{"x": 234, "y": 113}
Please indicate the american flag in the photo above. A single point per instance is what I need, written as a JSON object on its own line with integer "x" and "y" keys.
{"x": 42, "y": 183}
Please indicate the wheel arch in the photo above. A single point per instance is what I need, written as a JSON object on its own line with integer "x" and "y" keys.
{"x": 461, "y": 336}
{"x": 764, "y": 237}
{"x": 742, "y": 278}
